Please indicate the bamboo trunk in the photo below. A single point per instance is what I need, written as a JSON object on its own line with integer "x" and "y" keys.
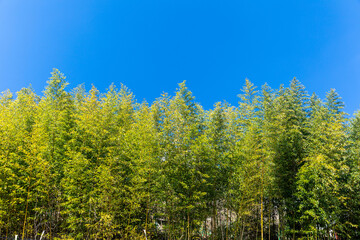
{"x": 188, "y": 225}
{"x": 26, "y": 209}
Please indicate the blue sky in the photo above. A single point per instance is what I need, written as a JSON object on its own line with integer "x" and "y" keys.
{"x": 150, "y": 46}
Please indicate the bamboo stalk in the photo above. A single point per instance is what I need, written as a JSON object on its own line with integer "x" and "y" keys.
{"x": 26, "y": 209}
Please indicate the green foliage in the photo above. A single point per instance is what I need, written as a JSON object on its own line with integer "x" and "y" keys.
{"x": 91, "y": 165}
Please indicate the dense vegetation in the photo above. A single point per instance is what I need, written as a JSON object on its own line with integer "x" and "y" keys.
{"x": 86, "y": 165}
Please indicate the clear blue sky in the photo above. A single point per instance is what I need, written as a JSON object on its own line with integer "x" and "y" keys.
{"x": 151, "y": 45}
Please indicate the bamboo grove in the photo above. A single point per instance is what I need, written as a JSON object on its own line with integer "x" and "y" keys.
{"x": 77, "y": 164}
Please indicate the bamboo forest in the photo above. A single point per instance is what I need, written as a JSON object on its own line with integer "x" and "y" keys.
{"x": 81, "y": 164}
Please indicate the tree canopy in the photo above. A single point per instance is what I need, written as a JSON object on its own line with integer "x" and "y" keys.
{"x": 78, "y": 164}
